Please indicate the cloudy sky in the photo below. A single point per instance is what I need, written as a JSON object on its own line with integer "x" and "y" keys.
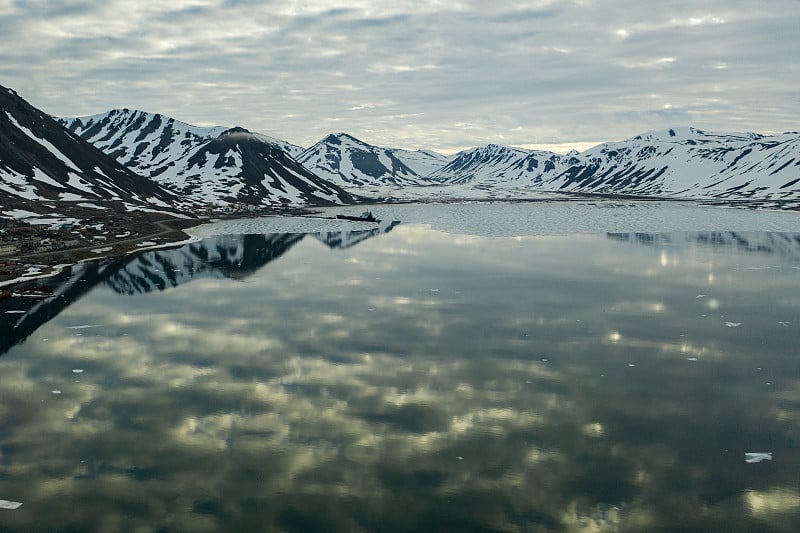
{"x": 444, "y": 74}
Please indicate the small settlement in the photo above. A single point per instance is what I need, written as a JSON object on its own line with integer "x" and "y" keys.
{"x": 23, "y": 244}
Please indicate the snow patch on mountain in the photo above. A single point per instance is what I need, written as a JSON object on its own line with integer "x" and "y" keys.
{"x": 353, "y": 164}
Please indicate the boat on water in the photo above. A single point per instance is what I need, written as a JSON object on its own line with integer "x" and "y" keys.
{"x": 365, "y": 217}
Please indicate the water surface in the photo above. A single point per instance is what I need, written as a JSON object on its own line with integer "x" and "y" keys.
{"x": 410, "y": 379}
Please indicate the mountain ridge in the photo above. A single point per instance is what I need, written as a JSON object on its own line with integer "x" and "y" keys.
{"x": 351, "y": 162}
{"x": 42, "y": 161}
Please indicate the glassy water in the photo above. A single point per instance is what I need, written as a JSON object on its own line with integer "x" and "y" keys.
{"x": 408, "y": 379}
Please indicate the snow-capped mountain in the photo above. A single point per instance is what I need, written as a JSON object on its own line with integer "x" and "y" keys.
{"x": 40, "y": 160}
{"x": 494, "y": 164}
{"x": 351, "y": 163}
{"x": 686, "y": 163}
{"x": 144, "y": 142}
{"x": 208, "y": 165}
{"x": 239, "y": 166}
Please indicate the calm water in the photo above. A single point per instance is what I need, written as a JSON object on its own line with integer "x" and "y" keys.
{"x": 410, "y": 379}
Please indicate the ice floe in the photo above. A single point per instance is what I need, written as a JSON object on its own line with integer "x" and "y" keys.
{"x": 8, "y": 504}
{"x": 757, "y": 457}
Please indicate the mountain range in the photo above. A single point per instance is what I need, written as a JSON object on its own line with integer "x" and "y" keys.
{"x": 144, "y": 159}
{"x": 208, "y": 165}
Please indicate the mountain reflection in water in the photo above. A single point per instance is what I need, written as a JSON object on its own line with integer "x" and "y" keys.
{"x": 418, "y": 381}
{"x": 227, "y": 256}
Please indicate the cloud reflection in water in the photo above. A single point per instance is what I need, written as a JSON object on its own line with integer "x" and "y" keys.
{"x": 471, "y": 384}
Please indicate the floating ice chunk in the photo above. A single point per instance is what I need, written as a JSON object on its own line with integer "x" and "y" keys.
{"x": 461, "y": 458}
{"x": 691, "y": 358}
{"x": 757, "y": 457}
{"x": 56, "y": 391}
{"x": 733, "y": 324}
{"x": 784, "y": 323}
{"x": 77, "y": 370}
{"x": 8, "y": 504}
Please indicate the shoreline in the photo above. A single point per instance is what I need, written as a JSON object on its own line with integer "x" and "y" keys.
{"x": 32, "y": 266}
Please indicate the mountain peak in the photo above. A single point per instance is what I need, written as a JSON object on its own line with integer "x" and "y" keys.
{"x": 338, "y": 138}
{"x": 332, "y": 139}
{"x": 237, "y": 133}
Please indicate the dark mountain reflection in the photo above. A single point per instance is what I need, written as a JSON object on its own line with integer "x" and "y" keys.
{"x": 425, "y": 382}
{"x": 230, "y": 256}
{"x": 769, "y": 243}
{"x": 345, "y": 239}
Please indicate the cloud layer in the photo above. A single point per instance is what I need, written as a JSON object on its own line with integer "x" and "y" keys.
{"x": 439, "y": 75}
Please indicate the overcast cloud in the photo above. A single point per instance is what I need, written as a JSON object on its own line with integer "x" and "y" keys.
{"x": 405, "y": 73}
